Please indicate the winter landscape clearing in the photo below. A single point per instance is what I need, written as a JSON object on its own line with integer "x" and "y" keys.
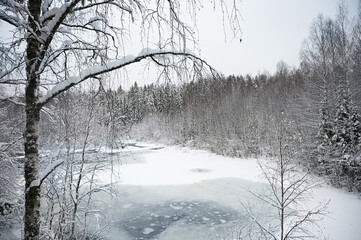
{"x": 179, "y": 193}
{"x": 251, "y": 152}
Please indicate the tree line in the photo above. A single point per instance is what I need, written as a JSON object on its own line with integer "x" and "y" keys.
{"x": 319, "y": 102}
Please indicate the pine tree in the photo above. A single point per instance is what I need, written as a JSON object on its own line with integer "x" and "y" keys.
{"x": 347, "y": 135}
{"x": 356, "y": 129}
{"x": 325, "y": 133}
{"x": 134, "y": 104}
{"x": 344, "y": 135}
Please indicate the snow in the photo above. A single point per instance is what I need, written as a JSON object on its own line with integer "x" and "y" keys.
{"x": 344, "y": 219}
{"x": 174, "y": 166}
{"x": 157, "y": 182}
{"x": 49, "y": 13}
{"x": 50, "y": 25}
{"x": 60, "y": 86}
{"x": 175, "y": 207}
{"x": 35, "y": 183}
{"x": 95, "y": 25}
{"x": 45, "y": 5}
{"x": 147, "y": 51}
{"x": 127, "y": 206}
{"x": 87, "y": 73}
{"x": 50, "y": 168}
{"x": 66, "y": 43}
{"x": 11, "y": 19}
{"x": 146, "y": 231}
{"x": 96, "y": 70}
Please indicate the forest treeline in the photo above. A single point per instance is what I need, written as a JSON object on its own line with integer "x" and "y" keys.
{"x": 316, "y": 106}
{"x": 245, "y": 117}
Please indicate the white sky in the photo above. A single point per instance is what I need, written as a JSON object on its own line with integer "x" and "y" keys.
{"x": 273, "y": 30}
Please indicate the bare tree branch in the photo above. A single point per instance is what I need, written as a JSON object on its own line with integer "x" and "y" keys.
{"x": 93, "y": 72}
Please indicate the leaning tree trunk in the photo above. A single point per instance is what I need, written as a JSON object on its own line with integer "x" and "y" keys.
{"x": 32, "y": 165}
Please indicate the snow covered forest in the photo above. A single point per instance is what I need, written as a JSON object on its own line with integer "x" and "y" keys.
{"x": 55, "y": 99}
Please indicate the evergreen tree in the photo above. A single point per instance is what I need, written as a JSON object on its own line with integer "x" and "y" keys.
{"x": 345, "y": 134}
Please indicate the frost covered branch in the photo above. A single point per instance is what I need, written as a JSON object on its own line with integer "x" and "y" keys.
{"x": 288, "y": 193}
{"x": 9, "y": 19}
{"x": 51, "y": 168}
{"x": 95, "y": 71}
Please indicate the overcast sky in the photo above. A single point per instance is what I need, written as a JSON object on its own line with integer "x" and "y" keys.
{"x": 273, "y": 30}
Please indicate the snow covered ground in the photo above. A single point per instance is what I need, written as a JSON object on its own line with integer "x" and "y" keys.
{"x": 178, "y": 193}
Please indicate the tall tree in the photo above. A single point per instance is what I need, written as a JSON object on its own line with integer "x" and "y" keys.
{"x": 347, "y": 126}
{"x": 319, "y": 55}
{"x": 288, "y": 192}
{"x": 68, "y": 42}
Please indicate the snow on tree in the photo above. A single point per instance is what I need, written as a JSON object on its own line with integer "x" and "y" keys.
{"x": 346, "y": 123}
{"x": 316, "y": 57}
{"x": 69, "y": 42}
{"x": 288, "y": 194}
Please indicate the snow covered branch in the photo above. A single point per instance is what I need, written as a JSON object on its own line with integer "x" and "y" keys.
{"x": 9, "y": 19}
{"x": 112, "y": 2}
{"x": 13, "y": 101}
{"x": 125, "y": 61}
{"x": 51, "y": 168}
{"x": 63, "y": 43}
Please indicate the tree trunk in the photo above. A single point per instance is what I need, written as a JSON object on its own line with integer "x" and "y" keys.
{"x": 282, "y": 181}
{"x": 32, "y": 168}
{"x": 32, "y": 163}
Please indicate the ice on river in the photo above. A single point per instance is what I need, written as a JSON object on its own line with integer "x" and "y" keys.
{"x": 178, "y": 193}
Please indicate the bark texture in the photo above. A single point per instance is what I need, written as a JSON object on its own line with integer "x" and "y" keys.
{"x": 32, "y": 164}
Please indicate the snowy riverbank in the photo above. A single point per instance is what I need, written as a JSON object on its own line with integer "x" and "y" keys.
{"x": 178, "y": 193}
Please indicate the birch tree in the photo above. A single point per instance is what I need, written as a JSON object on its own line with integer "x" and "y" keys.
{"x": 288, "y": 195}
{"x": 316, "y": 57}
{"x": 57, "y": 44}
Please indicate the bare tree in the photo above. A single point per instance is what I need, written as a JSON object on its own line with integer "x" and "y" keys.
{"x": 11, "y": 202}
{"x": 70, "y": 210}
{"x": 288, "y": 191}
{"x": 69, "y": 42}
{"x": 316, "y": 55}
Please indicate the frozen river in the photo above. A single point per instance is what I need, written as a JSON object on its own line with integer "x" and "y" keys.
{"x": 177, "y": 193}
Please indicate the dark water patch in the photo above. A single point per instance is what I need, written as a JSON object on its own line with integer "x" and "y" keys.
{"x": 148, "y": 221}
{"x": 200, "y": 170}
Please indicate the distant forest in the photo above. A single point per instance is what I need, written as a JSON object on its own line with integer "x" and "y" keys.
{"x": 316, "y": 107}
